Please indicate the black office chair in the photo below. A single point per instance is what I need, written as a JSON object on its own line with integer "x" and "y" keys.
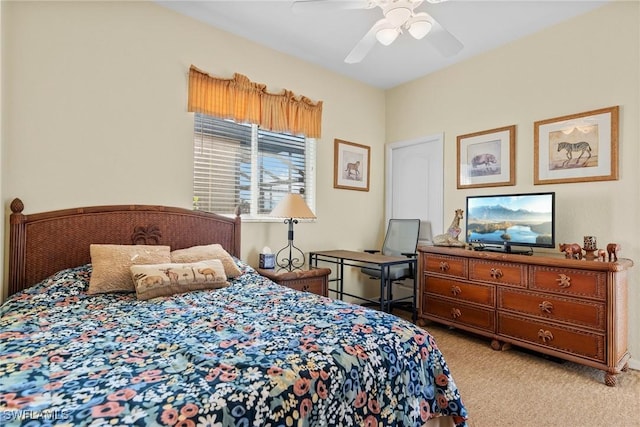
{"x": 401, "y": 239}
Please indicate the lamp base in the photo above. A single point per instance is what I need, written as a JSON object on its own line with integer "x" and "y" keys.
{"x": 290, "y": 257}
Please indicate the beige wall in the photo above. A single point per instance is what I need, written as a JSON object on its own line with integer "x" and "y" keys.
{"x": 588, "y": 63}
{"x": 95, "y": 113}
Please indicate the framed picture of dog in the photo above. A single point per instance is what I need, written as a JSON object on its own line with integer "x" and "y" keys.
{"x": 487, "y": 158}
{"x": 351, "y": 165}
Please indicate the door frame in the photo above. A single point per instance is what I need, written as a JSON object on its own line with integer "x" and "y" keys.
{"x": 437, "y": 143}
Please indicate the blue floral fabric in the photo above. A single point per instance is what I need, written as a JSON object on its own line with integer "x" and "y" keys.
{"x": 252, "y": 354}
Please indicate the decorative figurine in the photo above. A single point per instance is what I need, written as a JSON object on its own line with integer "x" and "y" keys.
{"x": 612, "y": 250}
{"x": 571, "y": 250}
{"x": 590, "y": 247}
{"x": 450, "y": 238}
{"x": 602, "y": 254}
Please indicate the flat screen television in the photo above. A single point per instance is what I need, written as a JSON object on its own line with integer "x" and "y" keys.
{"x": 500, "y": 222}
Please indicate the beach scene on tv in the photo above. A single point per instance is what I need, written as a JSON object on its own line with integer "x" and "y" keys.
{"x": 518, "y": 220}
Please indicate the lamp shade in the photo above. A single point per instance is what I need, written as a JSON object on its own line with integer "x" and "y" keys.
{"x": 397, "y": 13}
{"x": 420, "y": 25}
{"x": 386, "y": 36}
{"x": 292, "y": 206}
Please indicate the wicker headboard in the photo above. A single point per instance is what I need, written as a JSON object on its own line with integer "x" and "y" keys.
{"x": 41, "y": 244}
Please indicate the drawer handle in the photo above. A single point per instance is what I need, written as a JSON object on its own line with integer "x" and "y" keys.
{"x": 455, "y": 290}
{"x": 564, "y": 281}
{"x": 455, "y": 313}
{"x": 305, "y": 287}
{"x": 444, "y": 266}
{"x": 496, "y": 273}
{"x": 545, "y": 335}
{"x": 546, "y": 307}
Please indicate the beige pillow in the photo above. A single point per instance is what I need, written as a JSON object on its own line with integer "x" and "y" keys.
{"x": 111, "y": 264}
{"x": 201, "y": 253}
{"x": 168, "y": 279}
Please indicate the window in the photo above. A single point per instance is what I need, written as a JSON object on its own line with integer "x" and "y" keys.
{"x": 238, "y": 164}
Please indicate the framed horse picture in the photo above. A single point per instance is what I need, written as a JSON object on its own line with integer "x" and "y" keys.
{"x": 351, "y": 165}
{"x": 577, "y": 148}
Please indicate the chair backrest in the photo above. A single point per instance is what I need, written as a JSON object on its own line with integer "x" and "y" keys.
{"x": 425, "y": 236}
{"x": 401, "y": 237}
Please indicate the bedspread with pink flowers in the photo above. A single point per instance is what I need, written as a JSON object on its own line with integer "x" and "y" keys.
{"x": 252, "y": 354}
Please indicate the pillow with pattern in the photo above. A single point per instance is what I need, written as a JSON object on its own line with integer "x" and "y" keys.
{"x": 204, "y": 252}
{"x": 111, "y": 264}
{"x": 157, "y": 280}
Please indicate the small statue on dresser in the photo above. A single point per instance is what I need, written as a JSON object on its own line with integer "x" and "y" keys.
{"x": 450, "y": 238}
{"x": 612, "y": 250}
{"x": 571, "y": 250}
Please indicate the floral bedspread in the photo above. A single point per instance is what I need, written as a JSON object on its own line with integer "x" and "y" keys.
{"x": 252, "y": 354}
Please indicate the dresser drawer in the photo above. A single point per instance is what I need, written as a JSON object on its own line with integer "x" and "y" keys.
{"x": 585, "y": 313}
{"x": 452, "y": 312}
{"x": 581, "y": 283}
{"x": 543, "y": 334}
{"x": 480, "y": 294}
{"x": 442, "y": 264}
{"x": 502, "y": 273}
{"x": 314, "y": 280}
{"x": 315, "y": 285}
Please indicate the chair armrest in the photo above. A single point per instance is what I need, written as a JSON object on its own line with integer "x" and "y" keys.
{"x": 410, "y": 254}
{"x": 371, "y": 251}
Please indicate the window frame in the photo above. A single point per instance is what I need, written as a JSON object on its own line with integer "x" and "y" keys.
{"x": 310, "y": 160}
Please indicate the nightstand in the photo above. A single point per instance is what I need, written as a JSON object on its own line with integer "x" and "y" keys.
{"x": 314, "y": 280}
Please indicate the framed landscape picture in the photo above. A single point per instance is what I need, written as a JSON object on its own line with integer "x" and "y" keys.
{"x": 487, "y": 158}
{"x": 351, "y": 165}
{"x": 580, "y": 147}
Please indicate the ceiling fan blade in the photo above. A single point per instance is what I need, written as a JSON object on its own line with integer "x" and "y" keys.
{"x": 443, "y": 41}
{"x": 366, "y": 43}
{"x": 316, "y": 6}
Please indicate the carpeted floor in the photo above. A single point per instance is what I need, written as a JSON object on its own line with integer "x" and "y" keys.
{"x": 523, "y": 389}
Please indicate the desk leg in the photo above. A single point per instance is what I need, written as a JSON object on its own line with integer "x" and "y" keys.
{"x": 415, "y": 296}
{"x": 384, "y": 272}
{"x": 389, "y": 285}
{"x": 341, "y": 280}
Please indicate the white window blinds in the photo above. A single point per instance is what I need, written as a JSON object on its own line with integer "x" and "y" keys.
{"x": 241, "y": 165}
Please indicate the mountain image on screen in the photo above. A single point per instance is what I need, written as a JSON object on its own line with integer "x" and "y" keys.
{"x": 525, "y": 220}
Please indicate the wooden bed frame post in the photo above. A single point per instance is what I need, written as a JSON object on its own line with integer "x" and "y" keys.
{"x": 238, "y": 240}
{"x": 17, "y": 240}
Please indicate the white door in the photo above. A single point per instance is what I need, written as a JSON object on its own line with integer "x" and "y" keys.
{"x": 415, "y": 189}
{"x": 414, "y": 183}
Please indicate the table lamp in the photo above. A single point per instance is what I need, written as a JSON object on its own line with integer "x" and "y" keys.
{"x": 292, "y": 207}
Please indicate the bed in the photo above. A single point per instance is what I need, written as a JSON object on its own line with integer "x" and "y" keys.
{"x": 248, "y": 352}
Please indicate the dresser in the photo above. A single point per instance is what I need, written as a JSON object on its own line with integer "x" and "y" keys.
{"x": 567, "y": 308}
{"x": 314, "y": 280}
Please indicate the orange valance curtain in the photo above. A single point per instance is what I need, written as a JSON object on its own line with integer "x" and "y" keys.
{"x": 242, "y": 100}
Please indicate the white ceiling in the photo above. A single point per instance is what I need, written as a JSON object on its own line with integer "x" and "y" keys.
{"x": 326, "y": 38}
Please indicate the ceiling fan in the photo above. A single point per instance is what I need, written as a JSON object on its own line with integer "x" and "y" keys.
{"x": 398, "y": 16}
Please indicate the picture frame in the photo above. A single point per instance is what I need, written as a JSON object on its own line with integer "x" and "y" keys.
{"x": 579, "y": 147}
{"x": 351, "y": 166}
{"x": 487, "y": 158}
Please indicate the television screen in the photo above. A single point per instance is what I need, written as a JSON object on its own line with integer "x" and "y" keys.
{"x": 511, "y": 220}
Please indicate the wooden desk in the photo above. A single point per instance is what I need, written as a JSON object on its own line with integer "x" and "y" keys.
{"x": 358, "y": 259}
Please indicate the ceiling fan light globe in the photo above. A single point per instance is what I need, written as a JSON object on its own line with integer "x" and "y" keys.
{"x": 420, "y": 29}
{"x": 397, "y": 15}
{"x": 386, "y": 36}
